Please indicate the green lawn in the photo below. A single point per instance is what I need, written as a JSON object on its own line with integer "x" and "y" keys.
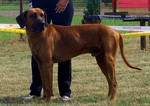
{"x": 13, "y": 7}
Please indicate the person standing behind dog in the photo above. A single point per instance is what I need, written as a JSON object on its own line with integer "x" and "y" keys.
{"x": 59, "y": 12}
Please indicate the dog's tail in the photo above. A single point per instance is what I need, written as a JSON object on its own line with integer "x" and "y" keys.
{"x": 123, "y": 55}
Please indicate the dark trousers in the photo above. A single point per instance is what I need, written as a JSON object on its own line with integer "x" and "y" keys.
{"x": 64, "y": 78}
{"x": 64, "y": 68}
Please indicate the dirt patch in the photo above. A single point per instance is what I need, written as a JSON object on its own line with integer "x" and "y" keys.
{"x": 9, "y": 13}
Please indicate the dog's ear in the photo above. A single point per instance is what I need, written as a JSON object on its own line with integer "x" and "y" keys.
{"x": 21, "y": 19}
{"x": 46, "y": 23}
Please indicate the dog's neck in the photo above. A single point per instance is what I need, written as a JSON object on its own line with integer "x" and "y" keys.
{"x": 36, "y": 35}
{"x": 33, "y": 32}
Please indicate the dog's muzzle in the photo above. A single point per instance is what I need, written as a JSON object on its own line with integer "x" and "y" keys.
{"x": 39, "y": 25}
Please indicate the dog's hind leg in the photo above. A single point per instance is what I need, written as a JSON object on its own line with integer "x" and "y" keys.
{"x": 107, "y": 64}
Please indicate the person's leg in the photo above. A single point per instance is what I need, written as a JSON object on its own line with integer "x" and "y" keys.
{"x": 36, "y": 85}
{"x": 64, "y": 78}
{"x": 64, "y": 68}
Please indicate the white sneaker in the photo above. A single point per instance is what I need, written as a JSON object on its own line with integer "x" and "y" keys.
{"x": 65, "y": 99}
{"x": 29, "y": 97}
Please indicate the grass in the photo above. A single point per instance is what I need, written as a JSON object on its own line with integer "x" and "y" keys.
{"x": 13, "y": 7}
{"x": 89, "y": 86}
{"x": 4, "y": 19}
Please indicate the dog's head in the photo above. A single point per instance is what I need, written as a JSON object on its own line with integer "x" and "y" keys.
{"x": 34, "y": 19}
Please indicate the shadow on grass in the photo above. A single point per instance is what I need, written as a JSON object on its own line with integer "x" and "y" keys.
{"x": 11, "y": 100}
{"x": 19, "y": 101}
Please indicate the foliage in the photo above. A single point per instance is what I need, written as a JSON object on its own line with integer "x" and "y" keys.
{"x": 93, "y": 7}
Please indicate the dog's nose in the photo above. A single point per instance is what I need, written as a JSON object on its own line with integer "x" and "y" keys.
{"x": 41, "y": 20}
{"x": 41, "y": 25}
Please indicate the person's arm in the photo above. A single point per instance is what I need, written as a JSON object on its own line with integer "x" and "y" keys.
{"x": 61, "y": 6}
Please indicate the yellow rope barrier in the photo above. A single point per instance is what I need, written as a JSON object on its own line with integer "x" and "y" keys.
{"x": 137, "y": 34}
{"x": 14, "y": 30}
{"x": 23, "y": 31}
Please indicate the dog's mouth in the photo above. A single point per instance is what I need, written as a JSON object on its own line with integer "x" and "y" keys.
{"x": 38, "y": 26}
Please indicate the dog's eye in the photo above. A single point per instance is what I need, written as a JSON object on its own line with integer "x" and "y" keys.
{"x": 33, "y": 15}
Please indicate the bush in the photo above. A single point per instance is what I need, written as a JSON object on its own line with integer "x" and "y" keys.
{"x": 92, "y": 7}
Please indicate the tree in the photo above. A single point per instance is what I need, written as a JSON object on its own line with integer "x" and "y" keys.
{"x": 92, "y": 8}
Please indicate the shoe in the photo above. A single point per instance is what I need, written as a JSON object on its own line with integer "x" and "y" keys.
{"x": 65, "y": 99}
{"x": 29, "y": 97}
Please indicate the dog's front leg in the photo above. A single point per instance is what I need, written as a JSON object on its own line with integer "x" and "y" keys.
{"x": 46, "y": 71}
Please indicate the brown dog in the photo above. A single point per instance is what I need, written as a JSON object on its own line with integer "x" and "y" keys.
{"x": 50, "y": 44}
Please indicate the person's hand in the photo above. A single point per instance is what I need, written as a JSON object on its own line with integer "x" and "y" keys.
{"x": 61, "y": 6}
